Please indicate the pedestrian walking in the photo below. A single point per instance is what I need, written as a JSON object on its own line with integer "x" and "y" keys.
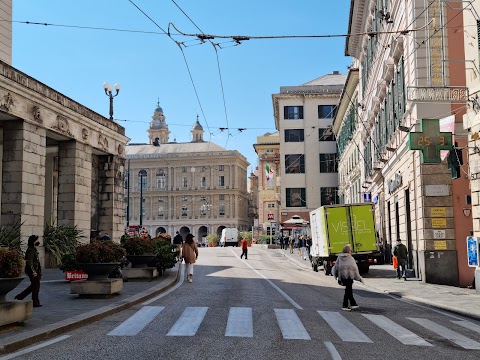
{"x": 346, "y": 271}
{"x": 178, "y": 242}
{"x": 33, "y": 271}
{"x": 303, "y": 247}
{"x": 290, "y": 244}
{"x": 190, "y": 255}
{"x": 281, "y": 242}
{"x": 401, "y": 252}
{"x": 244, "y": 248}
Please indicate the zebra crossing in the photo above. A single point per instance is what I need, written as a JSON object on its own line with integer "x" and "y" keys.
{"x": 240, "y": 324}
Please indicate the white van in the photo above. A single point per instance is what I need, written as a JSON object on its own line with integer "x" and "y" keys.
{"x": 229, "y": 237}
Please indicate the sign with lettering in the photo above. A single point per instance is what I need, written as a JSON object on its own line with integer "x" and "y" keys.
{"x": 437, "y": 190}
{"x": 440, "y": 245}
{"x": 472, "y": 251}
{"x": 439, "y": 223}
{"x": 438, "y": 212}
{"x": 270, "y": 217}
{"x": 430, "y": 141}
{"x": 439, "y": 234}
{"x": 438, "y": 94}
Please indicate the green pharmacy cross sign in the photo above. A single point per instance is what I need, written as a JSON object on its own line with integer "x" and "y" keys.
{"x": 430, "y": 141}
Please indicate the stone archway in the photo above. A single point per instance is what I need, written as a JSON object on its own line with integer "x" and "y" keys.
{"x": 184, "y": 230}
{"x": 219, "y": 230}
{"x": 160, "y": 230}
{"x": 202, "y": 234}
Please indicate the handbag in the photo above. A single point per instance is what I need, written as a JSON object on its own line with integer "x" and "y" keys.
{"x": 395, "y": 262}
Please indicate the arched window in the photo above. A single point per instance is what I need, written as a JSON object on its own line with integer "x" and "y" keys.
{"x": 142, "y": 178}
{"x": 161, "y": 179}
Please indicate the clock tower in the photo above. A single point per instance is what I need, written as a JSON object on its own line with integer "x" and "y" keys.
{"x": 158, "y": 131}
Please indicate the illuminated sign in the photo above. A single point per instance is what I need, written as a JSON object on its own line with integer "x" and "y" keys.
{"x": 430, "y": 141}
{"x": 437, "y": 94}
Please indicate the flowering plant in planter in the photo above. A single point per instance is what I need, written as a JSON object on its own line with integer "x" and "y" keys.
{"x": 165, "y": 255}
{"x": 139, "y": 246}
{"x": 99, "y": 252}
{"x": 11, "y": 263}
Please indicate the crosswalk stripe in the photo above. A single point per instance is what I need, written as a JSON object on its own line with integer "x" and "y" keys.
{"x": 403, "y": 335}
{"x": 240, "y": 322}
{"x": 344, "y": 328}
{"x": 448, "y": 334}
{"x": 137, "y": 322}
{"x": 290, "y": 325}
{"x": 189, "y": 322}
{"x": 468, "y": 325}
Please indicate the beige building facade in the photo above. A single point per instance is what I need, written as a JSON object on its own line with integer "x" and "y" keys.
{"x": 406, "y": 77}
{"x": 308, "y": 162}
{"x": 193, "y": 187}
{"x": 269, "y": 190}
{"x": 6, "y": 31}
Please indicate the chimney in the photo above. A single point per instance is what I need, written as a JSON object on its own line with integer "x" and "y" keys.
{"x": 336, "y": 72}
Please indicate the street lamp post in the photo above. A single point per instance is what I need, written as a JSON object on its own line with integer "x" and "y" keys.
{"x": 109, "y": 92}
{"x": 128, "y": 194}
{"x": 142, "y": 173}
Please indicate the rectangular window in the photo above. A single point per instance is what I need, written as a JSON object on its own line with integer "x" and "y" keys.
{"x": 184, "y": 181}
{"x": 295, "y": 197}
{"x": 326, "y": 111}
{"x": 203, "y": 198}
{"x": 329, "y": 196}
{"x": 293, "y": 112}
{"x": 221, "y": 197}
{"x": 221, "y": 180}
{"x": 203, "y": 182}
{"x": 184, "y": 197}
{"x": 160, "y": 211}
{"x": 325, "y": 134}
{"x": 203, "y": 210}
{"x": 221, "y": 210}
{"x": 295, "y": 164}
{"x": 294, "y": 135}
{"x": 271, "y": 205}
{"x": 328, "y": 163}
{"x": 221, "y": 167}
{"x": 184, "y": 169}
{"x": 161, "y": 181}
{"x": 203, "y": 169}
{"x": 184, "y": 210}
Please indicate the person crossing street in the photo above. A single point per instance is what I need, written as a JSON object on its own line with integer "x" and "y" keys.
{"x": 244, "y": 248}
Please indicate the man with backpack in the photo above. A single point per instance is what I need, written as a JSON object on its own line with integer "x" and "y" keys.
{"x": 401, "y": 252}
{"x": 178, "y": 242}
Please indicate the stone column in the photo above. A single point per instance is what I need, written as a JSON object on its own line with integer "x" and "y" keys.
{"x": 23, "y": 177}
{"x": 111, "y": 200}
{"x": 75, "y": 192}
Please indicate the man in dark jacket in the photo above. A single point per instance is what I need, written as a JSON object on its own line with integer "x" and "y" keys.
{"x": 33, "y": 270}
{"x": 401, "y": 252}
{"x": 178, "y": 242}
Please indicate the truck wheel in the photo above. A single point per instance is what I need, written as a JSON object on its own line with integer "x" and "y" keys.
{"x": 327, "y": 269}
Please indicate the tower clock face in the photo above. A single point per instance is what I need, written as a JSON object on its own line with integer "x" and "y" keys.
{"x": 157, "y": 122}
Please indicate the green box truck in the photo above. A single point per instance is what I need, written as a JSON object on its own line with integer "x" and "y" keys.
{"x": 334, "y": 226}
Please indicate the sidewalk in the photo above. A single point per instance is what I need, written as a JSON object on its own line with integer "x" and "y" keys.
{"x": 382, "y": 278}
{"x": 62, "y": 311}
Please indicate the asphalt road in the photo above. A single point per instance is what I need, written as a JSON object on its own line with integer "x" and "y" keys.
{"x": 266, "y": 307}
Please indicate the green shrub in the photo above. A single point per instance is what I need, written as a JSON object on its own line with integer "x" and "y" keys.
{"x": 212, "y": 238}
{"x": 69, "y": 262}
{"x": 165, "y": 255}
{"x": 165, "y": 237}
{"x": 139, "y": 246}
{"x": 99, "y": 252}
{"x": 11, "y": 263}
{"x": 10, "y": 236}
{"x": 245, "y": 235}
{"x": 61, "y": 240}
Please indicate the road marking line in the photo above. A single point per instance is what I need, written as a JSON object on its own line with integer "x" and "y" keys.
{"x": 332, "y": 350}
{"x": 175, "y": 287}
{"x": 344, "y": 328}
{"x": 34, "y": 348}
{"x": 289, "y": 299}
{"x": 240, "y": 322}
{"x": 137, "y": 322}
{"x": 468, "y": 325}
{"x": 189, "y": 322}
{"x": 290, "y": 325}
{"x": 448, "y": 334}
{"x": 403, "y": 335}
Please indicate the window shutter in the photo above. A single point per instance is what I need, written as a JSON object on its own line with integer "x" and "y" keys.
{"x": 285, "y": 112}
{"x": 478, "y": 39}
{"x": 300, "y": 112}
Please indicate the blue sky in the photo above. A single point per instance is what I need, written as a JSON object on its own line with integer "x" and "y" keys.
{"x": 149, "y": 67}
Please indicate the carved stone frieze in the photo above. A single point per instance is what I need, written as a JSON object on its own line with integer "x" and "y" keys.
{"x": 62, "y": 126}
{"x": 102, "y": 142}
{"x": 85, "y": 134}
{"x": 121, "y": 149}
{"x": 7, "y": 102}
{"x": 37, "y": 114}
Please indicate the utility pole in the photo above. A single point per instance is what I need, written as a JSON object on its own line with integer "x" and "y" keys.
{"x": 128, "y": 193}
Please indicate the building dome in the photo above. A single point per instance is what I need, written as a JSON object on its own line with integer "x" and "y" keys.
{"x": 159, "y": 110}
{"x": 197, "y": 126}
{"x": 158, "y": 119}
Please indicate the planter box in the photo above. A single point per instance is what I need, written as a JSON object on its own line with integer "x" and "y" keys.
{"x": 103, "y": 288}
{"x": 15, "y": 311}
{"x": 75, "y": 275}
{"x": 140, "y": 273}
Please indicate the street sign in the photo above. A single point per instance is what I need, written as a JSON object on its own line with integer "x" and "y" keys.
{"x": 472, "y": 251}
{"x": 270, "y": 217}
{"x": 367, "y": 197}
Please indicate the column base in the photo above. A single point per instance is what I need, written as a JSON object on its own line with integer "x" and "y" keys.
{"x": 140, "y": 273}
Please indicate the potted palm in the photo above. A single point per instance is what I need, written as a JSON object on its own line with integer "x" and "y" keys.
{"x": 99, "y": 258}
{"x": 58, "y": 241}
{"x": 11, "y": 268}
{"x": 212, "y": 240}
